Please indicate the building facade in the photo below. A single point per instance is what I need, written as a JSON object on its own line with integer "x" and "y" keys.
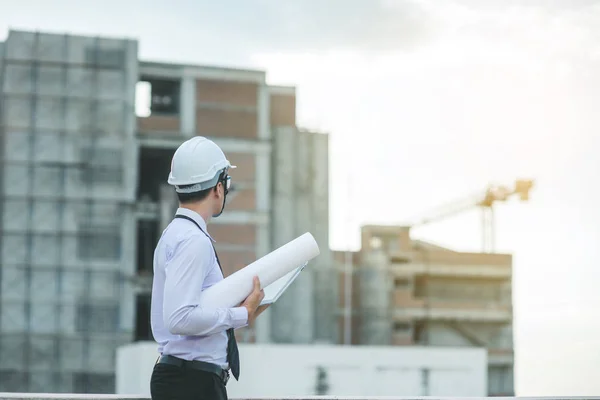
{"x": 83, "y": 199}
{"x": 411, "y": 293}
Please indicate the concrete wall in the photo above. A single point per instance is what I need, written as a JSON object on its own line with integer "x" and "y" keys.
{"x": 291, "y": 370}
{"x": 301, "y": 204}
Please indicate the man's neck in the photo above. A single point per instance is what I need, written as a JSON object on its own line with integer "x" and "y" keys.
{"x": 201, "y": 208}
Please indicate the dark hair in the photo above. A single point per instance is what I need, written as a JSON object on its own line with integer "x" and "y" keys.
{"x": 202, "y": 194}
{"x": 193, "y": 197}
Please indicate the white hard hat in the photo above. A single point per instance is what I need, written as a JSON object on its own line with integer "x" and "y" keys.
{"x": 198, "y": 162}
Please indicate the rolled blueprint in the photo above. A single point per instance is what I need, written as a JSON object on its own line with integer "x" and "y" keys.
{"x": 234, "y": 289}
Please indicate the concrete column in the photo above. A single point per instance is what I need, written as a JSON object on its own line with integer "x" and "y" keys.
{"x": 263, "y": 240}
{"x": 294, "y": 214}
{"x": 303, "y": 288}
{"x": 283, "y": 224}
{"x": 325, "y": 275}
{"x": 131, "y": 150}
{"x": 263, "y": 101}
{"x": 130, "y": 160}
{"x": 187, "y": 101}
{"x": 128, "y": 266}
{"x": 263, "y": 199}
{"x": 374, "y": 289}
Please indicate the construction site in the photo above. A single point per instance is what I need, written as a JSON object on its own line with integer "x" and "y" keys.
{"x": 401, "y": 291}
{"x": 84, "y": 198}
{"x": 87, "y": 132}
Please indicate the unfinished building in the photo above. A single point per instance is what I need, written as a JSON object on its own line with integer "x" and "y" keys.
{"x": 83, "y": 199}
{"x": 411, "y": 293}
{"x": 280, "y": 188}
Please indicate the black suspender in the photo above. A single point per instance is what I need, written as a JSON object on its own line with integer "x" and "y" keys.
{"x": 202, "y": 230}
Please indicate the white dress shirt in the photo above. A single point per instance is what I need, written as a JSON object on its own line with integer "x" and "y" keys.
{"x": 184, "y": 265}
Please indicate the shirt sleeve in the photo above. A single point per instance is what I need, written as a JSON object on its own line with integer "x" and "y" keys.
{"x": 184, "y": 277}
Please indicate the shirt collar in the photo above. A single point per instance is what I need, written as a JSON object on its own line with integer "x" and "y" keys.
{"x": 196, "y": 217}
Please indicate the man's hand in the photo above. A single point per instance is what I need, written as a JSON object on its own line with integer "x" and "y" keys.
{"x": 261, "y": 309}
{"x": 253, "y": 300}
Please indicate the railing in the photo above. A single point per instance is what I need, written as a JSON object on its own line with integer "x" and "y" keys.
{"x": 62, "y": 396}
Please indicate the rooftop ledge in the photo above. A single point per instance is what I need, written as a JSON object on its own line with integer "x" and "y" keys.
{"x": 60, "y": 396}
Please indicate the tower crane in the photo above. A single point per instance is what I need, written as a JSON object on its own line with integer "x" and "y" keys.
{"x": 485, "y": 201}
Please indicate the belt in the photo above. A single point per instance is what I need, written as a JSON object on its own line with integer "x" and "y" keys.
{"x": 194, "y": 364}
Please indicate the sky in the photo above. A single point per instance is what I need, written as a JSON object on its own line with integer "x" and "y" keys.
{"x": 425, "y": 102}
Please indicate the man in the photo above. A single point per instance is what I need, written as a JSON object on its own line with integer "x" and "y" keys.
{"x": 197, "y": 346}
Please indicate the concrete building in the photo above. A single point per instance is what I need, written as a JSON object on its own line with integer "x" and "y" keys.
{"x": 410, "y": 293}
{"x": 292, "y": 371}
{"x": 280, "y": 185}
{"x": 83, "y": 199}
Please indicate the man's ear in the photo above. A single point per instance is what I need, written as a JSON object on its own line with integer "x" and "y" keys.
{"x": 218, "y": 190}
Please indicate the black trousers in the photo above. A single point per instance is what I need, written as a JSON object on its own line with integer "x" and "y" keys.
{"x": 170, "y": 382}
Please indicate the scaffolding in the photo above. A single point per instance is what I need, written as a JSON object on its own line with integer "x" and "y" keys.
{"x": 68, "y": 155}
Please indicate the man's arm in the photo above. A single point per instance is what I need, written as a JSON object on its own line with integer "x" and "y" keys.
{"x": 185, "y": 274}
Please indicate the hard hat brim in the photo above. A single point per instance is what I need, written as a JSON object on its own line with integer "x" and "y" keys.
{"x": 198, "y": 186}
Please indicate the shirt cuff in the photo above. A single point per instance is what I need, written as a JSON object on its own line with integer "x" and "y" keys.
{"x": 239, "y": 317}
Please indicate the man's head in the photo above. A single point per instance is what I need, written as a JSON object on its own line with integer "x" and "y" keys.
{"x": 199, "y": 173}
